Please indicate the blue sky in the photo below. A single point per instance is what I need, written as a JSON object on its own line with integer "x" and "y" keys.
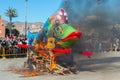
{"x": 38, "y": 10}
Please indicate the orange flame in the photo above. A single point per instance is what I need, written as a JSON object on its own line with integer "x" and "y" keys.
{"x": 44, "y": 52}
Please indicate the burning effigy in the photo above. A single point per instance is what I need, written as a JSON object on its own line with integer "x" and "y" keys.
{"x": 56, "y": 38}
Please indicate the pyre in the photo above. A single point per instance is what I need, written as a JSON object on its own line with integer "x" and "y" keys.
{"x": 56, "y": 37}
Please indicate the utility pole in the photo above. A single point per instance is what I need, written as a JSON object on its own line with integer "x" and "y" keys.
{"x": 26, "y": 7}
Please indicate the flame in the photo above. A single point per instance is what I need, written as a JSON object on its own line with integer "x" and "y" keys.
{"x": 24, "y": 72}
{"x": 29, "y": 74}
{"x": 53, "y": 62}
{"x": 45, "y": 51}
{"x": 45, "y": 58}
{"x": 38, "y": 46}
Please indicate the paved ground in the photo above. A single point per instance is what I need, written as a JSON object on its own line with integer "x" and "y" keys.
{"x": 102, "y": 66}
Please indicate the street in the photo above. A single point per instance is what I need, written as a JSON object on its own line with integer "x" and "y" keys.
{"x": 102, "y": 66}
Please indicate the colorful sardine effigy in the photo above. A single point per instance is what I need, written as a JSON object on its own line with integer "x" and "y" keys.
{"x": 63, "y": 32}
{"x": 31, "y": 37}
{"x": 55, "y": 37}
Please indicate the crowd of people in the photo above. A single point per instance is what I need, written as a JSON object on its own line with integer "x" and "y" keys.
{"x": 13, "y": 43}
{"x": 6, "y": 42}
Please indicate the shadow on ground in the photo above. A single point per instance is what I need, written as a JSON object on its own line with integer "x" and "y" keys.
{"x": 98, "y": 64}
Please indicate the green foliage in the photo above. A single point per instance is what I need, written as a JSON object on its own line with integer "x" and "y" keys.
{"x": 10, "y": 24}
{"x": 15, "y": 32}
{"x": 11, "y": 13}
{"x": 7, "y": 31}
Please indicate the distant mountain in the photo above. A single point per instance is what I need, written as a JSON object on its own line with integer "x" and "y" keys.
{"x": 20, "y": 26}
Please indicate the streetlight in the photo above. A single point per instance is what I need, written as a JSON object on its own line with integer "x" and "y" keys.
{"x": 26, "y": 6}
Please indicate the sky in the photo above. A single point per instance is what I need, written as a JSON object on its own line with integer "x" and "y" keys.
{"x": 38, "y": 10}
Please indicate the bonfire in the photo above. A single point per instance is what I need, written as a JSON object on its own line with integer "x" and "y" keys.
{"x": 54, "y": 39}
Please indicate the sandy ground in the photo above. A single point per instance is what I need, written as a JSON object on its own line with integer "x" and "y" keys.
{"x": 102, "y": 66}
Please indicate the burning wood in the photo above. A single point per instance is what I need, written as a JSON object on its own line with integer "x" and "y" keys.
{"x": 42, "y": 61}
{"x": 60, "y": 37}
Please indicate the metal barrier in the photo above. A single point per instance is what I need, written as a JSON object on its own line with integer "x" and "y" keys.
{"x": 12, "y": 51}
{"x": 2, "y": 52}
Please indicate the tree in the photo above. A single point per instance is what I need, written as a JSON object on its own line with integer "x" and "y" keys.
{"x": 7, "y": 32}
{"x": 11, "y": 13}
{"x": 15, "y": 32}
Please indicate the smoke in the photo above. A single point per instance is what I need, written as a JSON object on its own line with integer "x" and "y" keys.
{"x": 95, "y": 18}
{"x": 90, "y": 11}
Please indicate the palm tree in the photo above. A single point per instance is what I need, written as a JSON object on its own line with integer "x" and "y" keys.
{"x": 11, "y": 13}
